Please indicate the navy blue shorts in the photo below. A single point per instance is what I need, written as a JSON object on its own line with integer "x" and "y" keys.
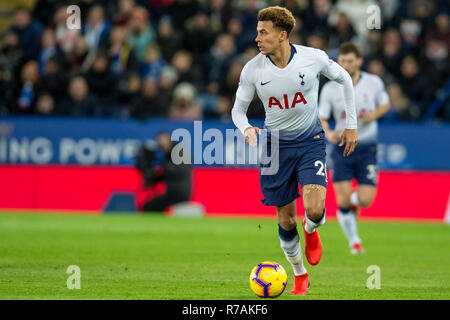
{"x": 361, "y": 164}
{"x": 305, "y": 164}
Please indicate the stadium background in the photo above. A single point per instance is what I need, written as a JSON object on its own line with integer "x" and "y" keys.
{"x": 75, "y": 104}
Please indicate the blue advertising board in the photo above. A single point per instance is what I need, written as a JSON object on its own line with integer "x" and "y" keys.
{"x": 88, "y": 141}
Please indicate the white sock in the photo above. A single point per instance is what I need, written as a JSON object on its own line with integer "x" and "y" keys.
{"x": 354, "y": 199}
{"x": 293, "y": 252}
{"x": 309, "y": 228}
{"x": 310, "y": 225}
{"x": 348, "y": 225}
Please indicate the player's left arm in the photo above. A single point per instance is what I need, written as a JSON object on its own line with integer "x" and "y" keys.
{"x": 335, "y": 72}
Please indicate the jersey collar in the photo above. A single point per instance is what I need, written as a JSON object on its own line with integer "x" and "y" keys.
{"x": 293, "y": 51}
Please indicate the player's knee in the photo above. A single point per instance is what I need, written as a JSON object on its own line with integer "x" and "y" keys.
{"x": 314, "y": 211}
{"x": 343, "y": 201}
{"x": 365, "y": 202}
{"x": 287, "y": 222}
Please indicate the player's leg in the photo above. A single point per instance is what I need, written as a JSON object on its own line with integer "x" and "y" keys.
{"x": 346, "y": 217}
{"x": 280, "y": 190}
{"x": 364, "y": 195}
{"x": 314, "y": 204}
{"x": 312, "y": 175}
{"x": 290, "y": 243}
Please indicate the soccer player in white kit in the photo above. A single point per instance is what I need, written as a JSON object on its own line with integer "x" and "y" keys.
{"x": 286, "y": 79}
{"x": 372, "y": 102}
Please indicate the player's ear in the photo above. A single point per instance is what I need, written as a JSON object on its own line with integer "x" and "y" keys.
{"x": 283, "y": 35}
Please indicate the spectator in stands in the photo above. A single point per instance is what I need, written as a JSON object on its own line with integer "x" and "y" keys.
{"x": 317, "y": 40}
{"x": 153, "y": 64}
{"x": 26, "y": 92}
{"x": 11, "y": 57}
{"x": 357, "y": 13}
{"x": 402, "y": 108}
{"x": 125, "y": 9}
{"x": 221, "y": 109}
{"x": 49, "y": 49}
{"x": 149, "y": 104}
{"x": 54, "y": 81}
{"x": 342, "y": 32}
{"x": 97, "y": 28}
{"x": 129, "y": 91}
{"x": 374, "y": 44}
{"x": 184, "y": 104}
{"x": 377, "y": 67}
{"x": 198, "y": 37}
{"x": 220, "y": 12}
{"x": 242, "y": 38}
{"x": 181, "y": 11}
{"x": 169, "y": 40}
{"x": 167, "y": 84}
{"x": 45, "y": 105}
{"x": 121, "y": 56}
{"x": 182, "y": 63}
{"x": 392, "y": 51}
{"x": 140, "y": 32}
{"x": 80, "y": 102}
{"x": 79, "y": 59}
{"x": 415, "y": 83}
{"x": 65, "y": 37}
{"x": 103, "y": 83}
{"x": 440, "y": 29}
{"x": 316, "y": 17}
{"x": 28, "y": 31}
{"x": 436, "y": 62}
{"x": 5, "y": 93}
{"x": 218, "y": 61}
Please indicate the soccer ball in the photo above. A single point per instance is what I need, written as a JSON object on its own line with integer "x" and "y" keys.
{"x": 268, "y": 279}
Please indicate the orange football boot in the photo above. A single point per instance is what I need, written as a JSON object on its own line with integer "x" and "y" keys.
{"x": 313, "y": 246}
{"x": 301, "y": 285}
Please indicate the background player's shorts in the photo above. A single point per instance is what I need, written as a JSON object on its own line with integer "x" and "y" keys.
{"x": 302, "y": 164}
{"x": 361, "y": 164}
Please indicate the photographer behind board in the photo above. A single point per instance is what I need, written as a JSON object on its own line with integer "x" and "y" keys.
{"x": 177, "y": 178}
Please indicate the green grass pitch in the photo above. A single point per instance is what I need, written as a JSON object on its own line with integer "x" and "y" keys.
{"x": 156, "y": 257}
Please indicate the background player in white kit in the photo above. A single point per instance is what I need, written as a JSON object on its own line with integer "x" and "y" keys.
{"x": 372, "y": 102}
{"x": 286, "y": 79}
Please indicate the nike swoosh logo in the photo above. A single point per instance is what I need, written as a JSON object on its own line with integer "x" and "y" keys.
{"x": 264, "y": 83}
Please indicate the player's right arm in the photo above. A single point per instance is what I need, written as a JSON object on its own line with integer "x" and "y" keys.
{"x": 244, "y": 96}
{"x": 325, "y": 107}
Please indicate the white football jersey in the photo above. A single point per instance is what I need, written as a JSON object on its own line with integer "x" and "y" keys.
{"x": 290, "y": 95}
{"x": 369, "y": 94}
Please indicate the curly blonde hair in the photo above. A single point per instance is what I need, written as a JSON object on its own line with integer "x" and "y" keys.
{"x": 281, "y": 18}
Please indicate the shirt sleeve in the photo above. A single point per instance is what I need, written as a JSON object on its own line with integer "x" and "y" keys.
{"x": 325, "y": 105}
{"x": 244, "y": 96}
{"x": 335, "y": 72}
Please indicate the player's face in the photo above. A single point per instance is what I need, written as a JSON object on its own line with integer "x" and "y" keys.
{"x": 269, "y": 38}
{"x": 350, "y": 62}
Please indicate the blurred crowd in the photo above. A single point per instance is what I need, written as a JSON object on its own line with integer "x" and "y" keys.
{"x": 182, "y": 59}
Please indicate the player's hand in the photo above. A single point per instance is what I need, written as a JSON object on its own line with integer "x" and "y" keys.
{"x": 350, "y": 138}
{"x": 333, "y": 136}
{"x": 250, "y": 136}
{"x": 369, "y": 117}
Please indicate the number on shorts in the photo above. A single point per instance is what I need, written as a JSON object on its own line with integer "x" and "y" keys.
{"x": 372, "y": 172}
{"x": 322, "y": 169}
